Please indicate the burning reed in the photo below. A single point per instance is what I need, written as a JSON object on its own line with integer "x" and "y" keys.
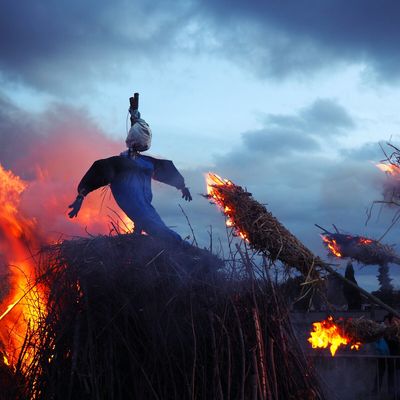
{"x": 254, "y": 223}
{"x": 364, "y": 250}
{"x": 132, "y": 317}
{"x": 353, "y": 332}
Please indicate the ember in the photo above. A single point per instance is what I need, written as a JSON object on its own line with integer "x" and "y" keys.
{"x": 328, "y": 333}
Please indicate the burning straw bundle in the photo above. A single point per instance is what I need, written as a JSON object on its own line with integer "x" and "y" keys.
{"x": 353, "y": 332}
{"x": 131, "y": 317}
{"x": 364, "y": 250}
{"x": 254, "y": 223}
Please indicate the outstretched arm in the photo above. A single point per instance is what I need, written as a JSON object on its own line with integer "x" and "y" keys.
{"x": 101, "y": 173}
{"x": 166, "y": 172}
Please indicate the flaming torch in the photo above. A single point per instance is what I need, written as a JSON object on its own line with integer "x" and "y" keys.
{"x": 328, "y": 333}
{"x": 364, "y": 250}
{"x": 353, "y": 332}
{"x": 255, "y": 224}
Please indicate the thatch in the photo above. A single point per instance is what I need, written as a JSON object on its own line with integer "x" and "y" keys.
{"x": 131, "y": 317}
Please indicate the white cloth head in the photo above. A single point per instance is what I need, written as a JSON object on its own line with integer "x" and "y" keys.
{"x": 139, "y": 136}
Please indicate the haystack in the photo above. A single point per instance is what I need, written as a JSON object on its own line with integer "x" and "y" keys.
{"x": 133, "y": 317}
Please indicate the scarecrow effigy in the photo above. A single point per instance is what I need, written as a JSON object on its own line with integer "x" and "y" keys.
{"x": 129, "y": 176}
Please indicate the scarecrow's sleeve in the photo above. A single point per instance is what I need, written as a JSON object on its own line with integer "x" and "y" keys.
{"x": 166, "y": 172}
{"x": 101, "y": 173}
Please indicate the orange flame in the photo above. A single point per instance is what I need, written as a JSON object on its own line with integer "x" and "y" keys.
{"x": 213, "y": 183}
{"x": 22, "y": 305}
{"x": 5, "y": 360}
{"x": 366, "y": 241}
{"x": 332, "y": 246}
{"x": 327, "y": 333}
{"x": 390, "y": 169}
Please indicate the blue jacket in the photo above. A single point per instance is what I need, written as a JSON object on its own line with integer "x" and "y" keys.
{"x": 130, "y": 181}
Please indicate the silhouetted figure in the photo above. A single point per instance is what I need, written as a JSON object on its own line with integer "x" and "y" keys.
{"x": 351, "y": 294}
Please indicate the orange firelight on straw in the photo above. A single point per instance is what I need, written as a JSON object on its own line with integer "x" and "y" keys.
{"x": 332, "y": 246}
{"x": 24, "y": 302}
{"x": 390, "y": 169}
{"x": 327, "y": 333}
{"x": 213, "y": 183}
{"x": 366, "y": 241}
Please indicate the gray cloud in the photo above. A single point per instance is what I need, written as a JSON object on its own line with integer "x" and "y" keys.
{"x": 286, "y": 38}
{"x": 49, "y": 45}
{"x": 323, "y": 116}
{"x": 58, "y": 45}
{"x": 285, "y": 134}
{"x": 277, "y": 141}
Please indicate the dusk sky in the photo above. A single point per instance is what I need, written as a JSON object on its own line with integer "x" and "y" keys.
{"x": 288, "y": 99}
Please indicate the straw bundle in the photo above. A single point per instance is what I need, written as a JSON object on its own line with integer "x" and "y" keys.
{"x": 364, "y": 250}
{"x": 262, "y": 230}
{"x": 367, "y": 331}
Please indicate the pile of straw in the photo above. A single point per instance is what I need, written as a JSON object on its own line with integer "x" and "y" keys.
{"x": 131, "y": 317}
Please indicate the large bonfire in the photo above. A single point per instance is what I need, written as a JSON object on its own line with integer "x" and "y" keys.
{"x": 128, "y": 316}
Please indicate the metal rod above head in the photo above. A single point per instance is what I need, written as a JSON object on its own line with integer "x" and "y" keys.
{"x": 134, "y": 101}
{"x": 134, "y": 106}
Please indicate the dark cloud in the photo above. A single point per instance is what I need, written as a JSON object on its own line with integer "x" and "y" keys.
{"x": 50, "y": 44}
{"x": 285, "y": 134}
{"x": 58, "y": 45}
{"x": 277, "y": 141}
{"x": 282, "y": 38}
{"x": 324, "y": 116}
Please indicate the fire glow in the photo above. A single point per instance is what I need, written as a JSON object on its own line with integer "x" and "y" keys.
{"x": 214, "y": 184}
{"x": 327, "y": 333}
{"x": 22, "y": 305}
{"x": 390, "y": 169}
{"x": 336, "y": 249}
{"x": 332, "y": 246}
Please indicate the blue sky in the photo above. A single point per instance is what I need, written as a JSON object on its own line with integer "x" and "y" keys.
{"x": 288, "y": 99}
